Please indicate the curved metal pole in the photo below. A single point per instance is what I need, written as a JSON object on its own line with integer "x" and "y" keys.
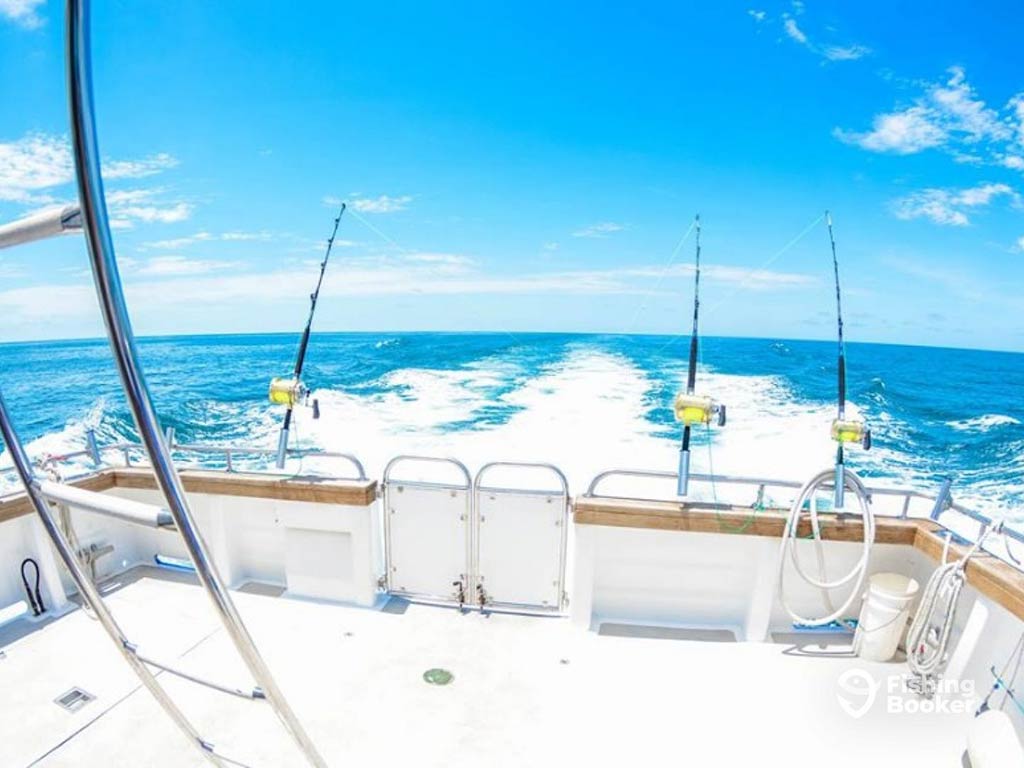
{"x": 386, "y": 478}
{"x": 119, "y": 329}
{"x": 88, "y": 590}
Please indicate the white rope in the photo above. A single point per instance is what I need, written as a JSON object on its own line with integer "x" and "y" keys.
{"x": 788, "y": 549}
{"x": 928, "y": 637}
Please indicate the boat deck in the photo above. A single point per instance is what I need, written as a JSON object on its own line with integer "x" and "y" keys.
{"x": 527, "y": 691}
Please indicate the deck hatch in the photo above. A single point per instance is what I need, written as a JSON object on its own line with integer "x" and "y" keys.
{"x": 74, "y": 699}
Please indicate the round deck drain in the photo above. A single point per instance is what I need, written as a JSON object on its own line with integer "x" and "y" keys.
{"x": 438, "y": 676}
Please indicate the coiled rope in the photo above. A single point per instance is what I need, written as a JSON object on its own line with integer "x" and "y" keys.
{"x": 788, "y": 549}
{"x": 928, "y": 638}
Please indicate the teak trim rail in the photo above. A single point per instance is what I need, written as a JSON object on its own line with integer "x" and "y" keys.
{"x": 358, "y": 493}
{"x": 997, "y": 580}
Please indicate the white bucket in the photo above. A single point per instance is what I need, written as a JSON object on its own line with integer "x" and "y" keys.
{"x": 883, "y": 616}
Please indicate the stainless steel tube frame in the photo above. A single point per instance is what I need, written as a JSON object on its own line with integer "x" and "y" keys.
{"x": 387, "y": 481}
{"x": 89, "y": 592}
{"x": 115, "y": 315}
{"x": 126, "y": 510}
{"x": 564, "y": 495}
{"x": 41, "y": 226}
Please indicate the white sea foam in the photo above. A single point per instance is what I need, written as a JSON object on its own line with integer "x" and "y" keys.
{"x": 983, "y": 423}
{"x": 585, "y": 414}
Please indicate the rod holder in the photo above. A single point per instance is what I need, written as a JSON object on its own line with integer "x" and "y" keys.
{"x": 683, "y": 482}
{"x": 93, "y": 447}
{"x": 840, "y": 494}
{"x": 282, "y": 448}
{"x": 942, "y": 499}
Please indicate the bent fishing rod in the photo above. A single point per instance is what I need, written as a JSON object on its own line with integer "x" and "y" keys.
{"x": 843, "y": 430}
{"x": 691, "y": 408}
{"x": 290, "y": 392}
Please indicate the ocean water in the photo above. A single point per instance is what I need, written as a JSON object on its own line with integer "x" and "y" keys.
{"x": 583, "y": 402}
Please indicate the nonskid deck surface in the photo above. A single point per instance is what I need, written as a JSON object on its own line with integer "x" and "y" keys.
{"x": 526, "y": 692}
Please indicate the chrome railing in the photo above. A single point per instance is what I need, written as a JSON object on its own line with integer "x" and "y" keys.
{"x": 229, "y": 454}
{"x": 939, "y": 504}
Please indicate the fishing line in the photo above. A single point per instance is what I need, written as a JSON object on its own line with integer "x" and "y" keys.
{"x": 406, "y": 252}
{"x": 661, "y": 276}
{"x": 376, "y": 231}
{"x": 749, "y": 278}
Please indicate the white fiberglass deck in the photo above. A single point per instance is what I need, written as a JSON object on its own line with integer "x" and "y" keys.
{"x": 526, "y": 692}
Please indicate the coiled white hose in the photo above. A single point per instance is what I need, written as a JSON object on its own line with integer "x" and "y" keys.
{"x": 856, "y": 575}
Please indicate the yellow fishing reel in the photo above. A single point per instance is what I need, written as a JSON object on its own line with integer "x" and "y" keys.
{"x": 698, "y": 409}
{"x": 287, "y": 392}
{"x": 849, "y": 431}
{"x": 290, "y": 392}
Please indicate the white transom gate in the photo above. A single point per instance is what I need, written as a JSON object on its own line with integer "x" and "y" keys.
{"x": 476, "y": 544}
{"x": 521, "y": 542}
{"x": 428, "y": 534}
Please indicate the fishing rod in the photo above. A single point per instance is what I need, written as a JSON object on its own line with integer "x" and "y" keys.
{"x": 291, "y": 391}
{"x": 691, "y": 408}
{"x": 843, "y": 430}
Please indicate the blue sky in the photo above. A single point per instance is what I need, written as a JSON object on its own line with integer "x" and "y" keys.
{"x": 531, "y": 166}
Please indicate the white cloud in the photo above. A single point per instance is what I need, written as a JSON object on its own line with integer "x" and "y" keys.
{"x": 380, "y": 204}
{"x": 22, "y": 12}
{"x": 137, "y": 169}
{"x": 794, "y": 31}
{"x": 901, "y": 133}
{"x": 947, "y": 114}
{"x": 440, "y": 259}
{"x": 601, "y": 230}
{"x": 845, "y": 52}
{"x": 948, "y": 207}
{"x": 165, "y": 266}
{"x": 830, "y": 52}
{"x": 245, "y": 236}
{"x": 1016, "y": 162}
{"x": 32, "y": 164}
{"x": 1020, "y": 244}
{"x": 177, "y": 243}
{"x": 128, "y": 206}
{"x": 757, "y": 16}
{"x": 1017, "y": 106}
{"x": 34, "y": 167}
{"x": 176, "y": 282}
{"x": 958, "y": 104}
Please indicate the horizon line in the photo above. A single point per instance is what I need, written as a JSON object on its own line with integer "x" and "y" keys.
{"x": 498, "y": 332}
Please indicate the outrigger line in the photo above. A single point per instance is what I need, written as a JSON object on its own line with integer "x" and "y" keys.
{"x": 691, "y": 408}
{"x": 843, "y": 430}
{"x": 291, "y": 391}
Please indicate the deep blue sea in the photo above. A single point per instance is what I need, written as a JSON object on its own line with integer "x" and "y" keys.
{"x": 585, "y": 402}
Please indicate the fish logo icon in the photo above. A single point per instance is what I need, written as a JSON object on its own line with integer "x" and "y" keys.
{"x": 857, "y": 692}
